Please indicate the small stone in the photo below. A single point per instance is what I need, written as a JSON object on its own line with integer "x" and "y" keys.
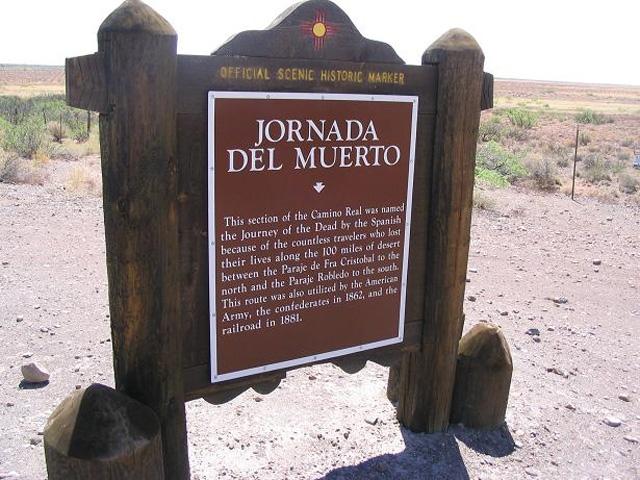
{"x": 631, "y": 439}
{"x": 551, "y": 329}
{"x": 12, "y": 474}
{"x": 612, "y": 421}
{"x": 35, "y": 441}
{"x": 10, "y": 404}
{"x": 44, "y": 329}
{"x": 78, "y": 386}
{"x": 597, "y": 261}
{"x": 532, "y": 472}
{"x": 312, "y": 377}
{"x": 27, "y": 354}
{"x": 473, "y": 270}
{"x": 558, "y": 371}
{"x": 536, "y": 339}
{"x": 533, "y": 332}
{"x": 624, "y": 397}
{"x": 609, "y": 219}
{"x": 471, "y": 298}
{"x": 257, "y": 399}
{"x": 571, "y": 407}
{"x": 504, "y": 313}
{"x": 4, "y": 262}
{"x": 560, "y": 300}
{"x": 371, "y": 420}
{"x": 19, "y": 318}
{"x": 33, "y": 373}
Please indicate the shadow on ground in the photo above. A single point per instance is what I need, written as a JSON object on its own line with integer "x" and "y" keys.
{"x": 433, "y": 456}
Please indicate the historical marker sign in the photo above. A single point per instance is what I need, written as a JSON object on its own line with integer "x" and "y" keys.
{"x": 309, "y": 221}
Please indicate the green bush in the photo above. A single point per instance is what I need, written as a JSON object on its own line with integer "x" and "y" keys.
{"x": 490, "y": 130}
{"x": 628, "y": 183}
{"x": 595, "y": 118}
{"x": 521, "y": 118}
{"x": 584, "y": 138}
{"x": 26, "y": 138}
{"x": 595, "y": 169}
{"x": 542, "y": 171}
{"x": 491, "y": 156}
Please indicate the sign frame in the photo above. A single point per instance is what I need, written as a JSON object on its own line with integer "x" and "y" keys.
{"x": 307, "y": 96}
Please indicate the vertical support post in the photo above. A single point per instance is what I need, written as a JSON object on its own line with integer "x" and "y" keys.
{"x": 427, "y": 377}
{"x": 88, "y": 122}
{"x": 575, "y": 161}
{"x": 138, "y": 143}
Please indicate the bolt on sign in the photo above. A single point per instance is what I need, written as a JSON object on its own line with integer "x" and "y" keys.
{"x": 310, "y": 199}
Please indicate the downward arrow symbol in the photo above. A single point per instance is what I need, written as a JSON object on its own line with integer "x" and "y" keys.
{"x": 318, "y": 187}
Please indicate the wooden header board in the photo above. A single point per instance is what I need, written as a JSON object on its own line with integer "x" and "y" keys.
{"x": 310, "y": 200}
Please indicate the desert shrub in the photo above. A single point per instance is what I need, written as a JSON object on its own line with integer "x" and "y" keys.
{"x": 516, "y": 133}
{"x": 628, "y": 183}
{"x": 497, "y": 165}
{"x": 483, "y": 201}
{"x": 542, "y": 171}
{"x": 79, "y": 130}
{"x": 584, "y": 138}
{"x": 589, "y": 116}
{"x": 627, "y": 142}
{"x": 521, "y": 118}
{"x": 57, "y": 130}
{"x": 560, "y": 153}
{"x": 595, "y": 169}
{"x": 9, "y": 166}
{"x": 490, "y": 130}
{"x": 26, "y": 138}
{"x": 623, "y": 156}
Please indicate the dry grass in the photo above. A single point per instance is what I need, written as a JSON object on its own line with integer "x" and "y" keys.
{"x": 82, "y": 180}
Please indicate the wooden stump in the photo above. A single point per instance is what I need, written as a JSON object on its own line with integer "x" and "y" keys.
{"x": 483, "y": 378}
{"x": 100, "y": 434}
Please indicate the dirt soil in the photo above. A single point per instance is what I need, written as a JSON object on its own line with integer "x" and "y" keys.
{"x": 529, "y": 254}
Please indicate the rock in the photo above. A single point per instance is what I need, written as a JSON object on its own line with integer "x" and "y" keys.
{"x": 44, "y": 329}
{"x": 11, "y": 474}
{"x": 533, "y": 332}
{"x": 312, "y": 377}
{"x": 35, "y": 441}
{"x": 537, "y": 339}
{"x": 473, "y": 270}
{"x": 558, "y": 371}
{"x": 471, "y": 298}
{"x": 560, "y": 300}
{"x": 612, "y": 421}
{"x": 624, "y": 397}
{"x": 532, "y": 472}
{"x": 27, "y": 354}
{"x": 4, "y": 262}
{"x": 597, "y": 261}
{"x": 33, "y": 373}
{"x": 571, "y": 407}
{"x": 257, "y": 399}
{"x": 19, "y": 318}
{"x": 371, "y": 420}
{"x": 504, "y": 313}
{"x": 631, "y": 439}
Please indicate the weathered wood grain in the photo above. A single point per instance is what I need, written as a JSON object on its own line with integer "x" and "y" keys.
{"x": 427, "y": 377}
{"x": 487, "y": 92}
{"x": 138, "y": 141}
{"x": 85, "y": 83}
{"x": 100, "y": 434}
{"x": 483, "y": 378}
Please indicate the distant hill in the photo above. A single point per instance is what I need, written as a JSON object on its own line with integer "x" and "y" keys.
{"x": 31, "y": 74}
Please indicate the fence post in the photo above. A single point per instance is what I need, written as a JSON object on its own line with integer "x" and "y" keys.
{"x": 138, "y": 143}
{"x": 100, "y": 434}
{"x": 427, "y": 377}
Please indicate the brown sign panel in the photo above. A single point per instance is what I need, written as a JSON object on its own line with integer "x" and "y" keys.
{"x": 309, "y": 219}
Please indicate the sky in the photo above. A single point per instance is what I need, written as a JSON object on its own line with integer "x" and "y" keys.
{"x": 560, "y": 40}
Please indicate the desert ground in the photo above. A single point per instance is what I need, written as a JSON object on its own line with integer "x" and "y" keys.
{"x": 560, "y": 277}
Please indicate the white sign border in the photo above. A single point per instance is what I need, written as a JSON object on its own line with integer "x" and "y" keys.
{"x": 212, "y": 95}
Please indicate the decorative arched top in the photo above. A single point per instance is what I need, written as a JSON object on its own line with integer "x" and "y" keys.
{"x": 315, "y": 29}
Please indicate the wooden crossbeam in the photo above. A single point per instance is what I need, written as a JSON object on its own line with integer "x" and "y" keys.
{"x": 486, "y": 102}
{"x": 86, "y": 83}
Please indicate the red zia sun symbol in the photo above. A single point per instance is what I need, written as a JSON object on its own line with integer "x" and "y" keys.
{"x": 319, "y": 29}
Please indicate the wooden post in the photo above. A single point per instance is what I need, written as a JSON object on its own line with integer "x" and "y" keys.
{"x": 427, "y": 377}
{"x": 575, "y": 161}
{"x": 483, "y": 378}
{"x": 101, "y": 434}
{"x": 138, "y": 143}
{"x": 88, "y": 122}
